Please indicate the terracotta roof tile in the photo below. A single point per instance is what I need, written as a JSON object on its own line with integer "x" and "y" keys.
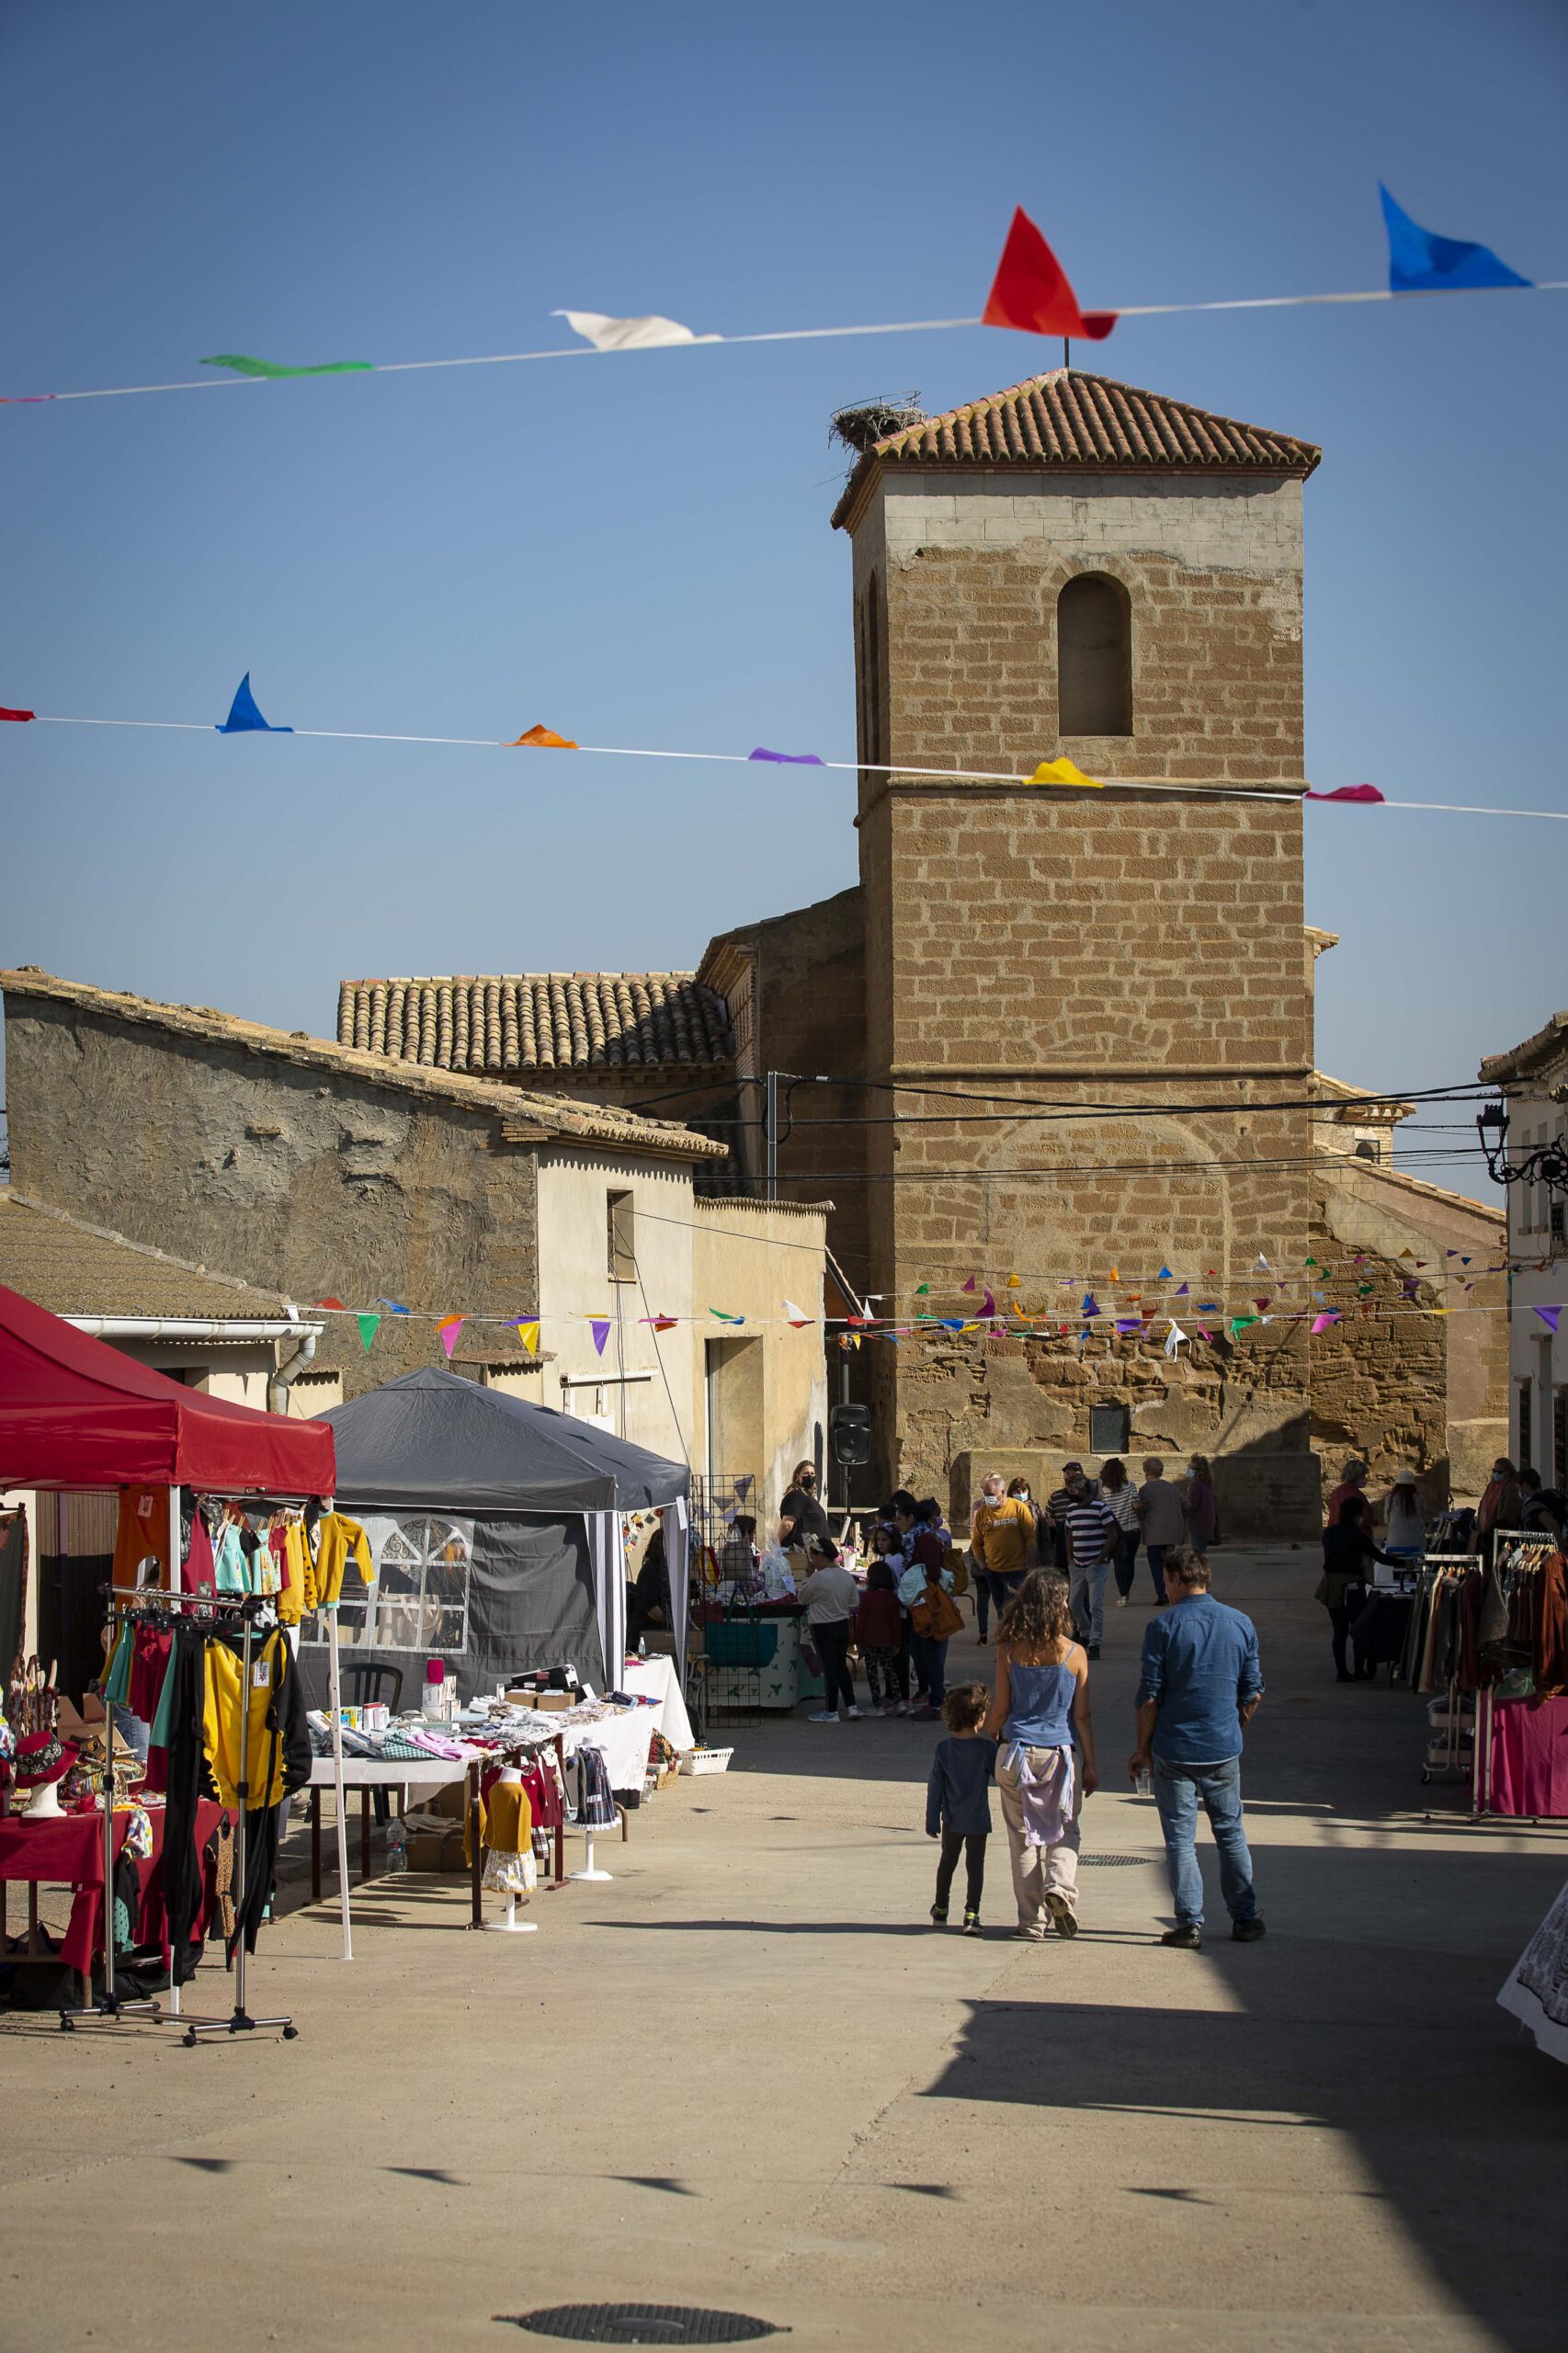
{"x": 1069, "y": 419}
{"x": 537, "y": 1021}
{"x": 77, "y": 1270}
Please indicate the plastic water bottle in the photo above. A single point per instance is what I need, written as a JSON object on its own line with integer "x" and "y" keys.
{"x": 397, "y": 1847}
{"x": 1144, "y": 1784}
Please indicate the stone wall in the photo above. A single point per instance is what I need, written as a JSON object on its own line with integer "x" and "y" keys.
{"x": 313, "y": 1188}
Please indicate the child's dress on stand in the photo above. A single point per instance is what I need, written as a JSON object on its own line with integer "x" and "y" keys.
{"x": 509, "y": 1868}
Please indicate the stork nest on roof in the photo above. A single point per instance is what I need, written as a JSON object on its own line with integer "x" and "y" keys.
{"x": 873, "y": 421}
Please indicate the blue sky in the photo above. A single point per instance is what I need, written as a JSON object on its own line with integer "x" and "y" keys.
{"x": 636, "y": 550}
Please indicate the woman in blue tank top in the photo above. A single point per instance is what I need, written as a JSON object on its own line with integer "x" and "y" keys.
{"x": 1040, "y": 1714}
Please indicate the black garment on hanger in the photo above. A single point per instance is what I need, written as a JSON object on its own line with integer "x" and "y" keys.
{"x": 188, "y": 1778}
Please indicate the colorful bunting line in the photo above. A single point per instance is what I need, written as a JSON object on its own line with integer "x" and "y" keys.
{"x": 245, "y": 719}
{"x": 1031, "y": 294}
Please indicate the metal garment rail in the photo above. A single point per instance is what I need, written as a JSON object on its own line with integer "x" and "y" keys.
{"x": 1530, "y": 1551}
{"x": 201, "y": 1609}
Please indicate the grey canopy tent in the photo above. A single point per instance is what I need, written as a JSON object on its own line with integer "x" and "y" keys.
{"x": 496, "y": 1530}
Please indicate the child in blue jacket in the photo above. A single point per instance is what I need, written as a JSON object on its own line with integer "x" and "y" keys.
{"x": 957, "y": 1806}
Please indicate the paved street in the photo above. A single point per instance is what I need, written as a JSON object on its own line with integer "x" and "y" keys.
{"x": 747, "y": 2074}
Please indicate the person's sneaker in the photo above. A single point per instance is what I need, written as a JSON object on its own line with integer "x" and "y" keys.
{"x": 852, "y": 1715}
{"x": 823, "y": 1716}
{"x": 902, "y": 1709}
{"x": 938, "y": 1915}
{"x": 1028, "y": 1935}
{"x": 1343, "y": 1678}
{"x": 1247, "y": 1932}
{"x": 1121, "y": 1601}
{"x": 925, "y": 1715}
{"x": 1061, "y": 1912}
{"x": 890, "y": 1711}
{"x": 972, "y": 1924}
{"x": 1190, "y": 1940}
{"x": 1094, "y": 1650}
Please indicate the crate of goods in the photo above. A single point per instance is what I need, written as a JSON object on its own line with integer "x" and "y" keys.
{"x": 706, "y": 1760}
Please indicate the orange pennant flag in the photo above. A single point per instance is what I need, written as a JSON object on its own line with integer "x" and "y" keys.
{"x": 543, "y": 739}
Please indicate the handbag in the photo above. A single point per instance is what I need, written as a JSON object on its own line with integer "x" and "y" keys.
{"x": 936, "y": 1615}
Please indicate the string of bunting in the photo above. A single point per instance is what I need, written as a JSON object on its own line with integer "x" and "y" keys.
{"x": 1231, "y": 1321}
{"x": 244, "y": 718}
{"x": 1031, "y": 294}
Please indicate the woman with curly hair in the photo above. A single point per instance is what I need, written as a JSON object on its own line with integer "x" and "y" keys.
{"x": 1040, "y": 1714}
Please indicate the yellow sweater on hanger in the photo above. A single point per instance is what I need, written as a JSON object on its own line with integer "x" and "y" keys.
{"x": 240, "y": 1743}
{"x": 296, "y": 1560}
{"x": 338, "y": 1541}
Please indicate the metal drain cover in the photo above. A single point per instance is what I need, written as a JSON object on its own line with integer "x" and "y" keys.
{"x": 1114, "y": 1862}
{"x": 642, "y": 2325}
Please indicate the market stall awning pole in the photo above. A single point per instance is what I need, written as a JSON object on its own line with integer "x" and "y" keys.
{"x": 174, "y": 1605}
{"x": 337, "y": 1781}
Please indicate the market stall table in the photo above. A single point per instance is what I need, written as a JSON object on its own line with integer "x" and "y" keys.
{"x": 657, "y": 1679}
{"x": 67, "y": 1851}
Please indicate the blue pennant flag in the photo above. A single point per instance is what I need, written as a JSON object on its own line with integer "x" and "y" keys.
{"x": 1420, "y": 262}
{"x": 244, "y": 717}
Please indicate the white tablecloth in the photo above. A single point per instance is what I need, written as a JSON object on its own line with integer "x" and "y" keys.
{"x": 624, "y": 1738}
{"x": 655, "y": 1678}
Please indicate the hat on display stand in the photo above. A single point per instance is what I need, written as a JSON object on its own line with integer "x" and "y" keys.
{"x": 42, "y": 1761}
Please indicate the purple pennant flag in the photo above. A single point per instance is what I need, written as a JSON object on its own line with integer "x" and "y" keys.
{"x": 1091, "y": 1305}
{"x": 601, "y": 1334}
{"x": 988, "y": 1304}
{"x": 1549, "y": 1316}
{"x": 970, "y": 1285}
{"x": 1182, "y": 1290}
{"x": 787, "y": 759}
{"x": 1129, "y": 1324}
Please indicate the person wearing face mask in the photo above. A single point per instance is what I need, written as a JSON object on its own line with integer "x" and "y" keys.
{"x": 801, "y": 1514}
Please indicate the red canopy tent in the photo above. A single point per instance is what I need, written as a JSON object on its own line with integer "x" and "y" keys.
{"x": 74, "y": 1413}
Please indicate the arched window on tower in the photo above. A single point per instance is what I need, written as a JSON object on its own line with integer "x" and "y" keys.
{"x": 1093, "y": 658}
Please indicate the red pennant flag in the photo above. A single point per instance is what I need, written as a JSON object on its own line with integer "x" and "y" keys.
{"x": 20, "y": 715}
{"x": 1032, "y": 291}
{"x": 1363, "y": 792}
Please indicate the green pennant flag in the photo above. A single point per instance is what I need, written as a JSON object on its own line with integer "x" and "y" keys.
{"x": 367, "y": 1329}
{"x": 921, "y": 1289}
{"x": 1240, "y": 1322}
{"x": 244, "y": 365}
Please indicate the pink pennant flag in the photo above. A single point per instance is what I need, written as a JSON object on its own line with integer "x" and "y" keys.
{"x": 972, "y": 1284}
{"x": 449, "y": 1327}
{"x": 1364, "y": 794}
{"x": 1321, "y": 1322}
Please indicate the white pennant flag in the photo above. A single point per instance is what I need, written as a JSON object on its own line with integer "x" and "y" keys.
{"x": 797, "y": 1316}
{"x": 1262, "y": 1266}
{"x": 1174, "y": 1338}
{"x": 629, "y": 334}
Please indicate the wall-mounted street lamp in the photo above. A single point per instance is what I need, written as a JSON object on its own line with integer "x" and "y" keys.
{"x": 1547, "y": 1164}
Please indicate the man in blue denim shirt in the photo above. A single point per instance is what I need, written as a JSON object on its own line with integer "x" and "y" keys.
{"x": 1200, "y": 1687}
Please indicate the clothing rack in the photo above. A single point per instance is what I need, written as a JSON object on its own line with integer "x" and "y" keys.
{"x": 510, "y": 1754}
{"x": 1448, "y": 1765}
{"x": 130, "y": 1603}
{"x": 1516, "y": 1553}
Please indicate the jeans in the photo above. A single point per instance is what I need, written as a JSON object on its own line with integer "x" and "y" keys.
{"x": 1126, "y": 1554}
{"x": 972, "y": 1848}
{"x": 931, "y": 1667}
{"x": 1156, "y": 1553}
{"x": 1342, "y": 1620}
{"x": 833, "y": 1648}
{"x": 1088, "y": 1602}
{"x": 1177, "y": 1789}
{"x": 993, "y": 1586}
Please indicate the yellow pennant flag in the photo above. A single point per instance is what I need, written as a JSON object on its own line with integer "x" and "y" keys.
{"x": 529, "y": 1335}
{"x": 1064, "y": 772}
{"x": 1014, "y": 1282}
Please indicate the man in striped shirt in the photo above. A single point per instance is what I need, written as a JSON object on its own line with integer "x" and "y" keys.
{"x": 1092, "y": 1531}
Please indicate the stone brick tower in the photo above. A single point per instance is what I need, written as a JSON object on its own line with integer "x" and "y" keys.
{"x": 1075, "y": 567}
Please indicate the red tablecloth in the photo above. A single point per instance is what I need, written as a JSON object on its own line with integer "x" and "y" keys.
{"x": 1529, "y": 1758}
{"x": 69, "y": 1852}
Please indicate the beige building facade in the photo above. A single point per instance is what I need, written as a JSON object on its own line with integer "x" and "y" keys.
{"x": 1532, "y": 1080}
